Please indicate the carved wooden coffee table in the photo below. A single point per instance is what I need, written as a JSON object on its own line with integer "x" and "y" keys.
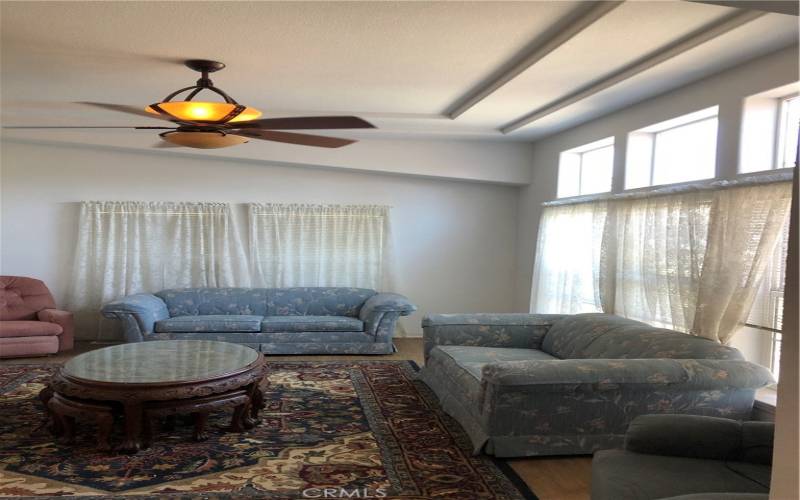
{"x": 147, "y": 380}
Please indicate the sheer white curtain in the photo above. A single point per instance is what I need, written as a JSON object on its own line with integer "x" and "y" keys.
{"x": 131, "y": 247}
{"x": 745, "y": 227}
{"x": 690, "y": 260}
{"x": 659, "y": 244}
{"x": 566, "y": 274}
{"x": 320, "y": 245}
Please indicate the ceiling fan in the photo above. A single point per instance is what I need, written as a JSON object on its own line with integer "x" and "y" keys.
{"x": 209, "y": 125}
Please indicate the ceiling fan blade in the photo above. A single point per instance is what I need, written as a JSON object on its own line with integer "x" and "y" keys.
{"x": 124, "y": 108}
{"x": 305, "y": 123}
{"x": 319, "y": 141}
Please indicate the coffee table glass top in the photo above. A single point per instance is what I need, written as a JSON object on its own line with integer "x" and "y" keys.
{"x": 161, "y": 361}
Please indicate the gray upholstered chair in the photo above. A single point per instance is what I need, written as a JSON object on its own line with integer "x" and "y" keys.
{"x": 686, "y": 457}
{"x": 531, "y": 384}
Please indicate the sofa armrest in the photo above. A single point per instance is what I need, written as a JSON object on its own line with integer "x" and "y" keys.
{"x": 697, "y": 436}
{"x": 66, "y": 321}
{"x": 384, "y": 308}
{"x": 387, "y": 302}
{"x": 486, "y": 329}
{"x": 138, "y": 313}
{"x": 610, "y": 374}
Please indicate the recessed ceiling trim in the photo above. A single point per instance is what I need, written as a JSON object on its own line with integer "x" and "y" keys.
{"x": 790, "y": 7}
{"x": 559, "y": 34}
{"x": 698, "y": 37}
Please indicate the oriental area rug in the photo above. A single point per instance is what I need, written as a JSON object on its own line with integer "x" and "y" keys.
{"x": 351, "y": 429}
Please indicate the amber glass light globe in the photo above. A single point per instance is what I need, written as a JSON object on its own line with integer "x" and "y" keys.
{"x": 203, "y": 140}
{"x": 192, "y": 111}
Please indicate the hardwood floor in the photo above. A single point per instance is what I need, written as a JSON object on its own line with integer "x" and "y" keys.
{"x": 557, "y": 478}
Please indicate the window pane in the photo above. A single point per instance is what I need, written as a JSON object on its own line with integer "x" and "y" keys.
{"x": 791, "y": 128}
{"x": 639, "y": 160}
{"x": 686, "y": 153}
{"x": 569, "y": 175}
{"x": 597, "y": 167}
{"x": 767, "y": 309}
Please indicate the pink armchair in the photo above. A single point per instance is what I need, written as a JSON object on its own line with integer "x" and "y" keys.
{"x": 30, "y": 324}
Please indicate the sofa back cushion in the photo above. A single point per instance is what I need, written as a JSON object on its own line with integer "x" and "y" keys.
{"x": 605, "y": 336}
{"x": 311, "y": 301}
{"x": 208, "y": 301}
{"x": 21, "y": 298}
{"x": 316, "y": 301}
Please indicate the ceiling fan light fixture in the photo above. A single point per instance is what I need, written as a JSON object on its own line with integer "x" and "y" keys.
{"x": 211, "y": 112}
{"x": 203, "y": 140}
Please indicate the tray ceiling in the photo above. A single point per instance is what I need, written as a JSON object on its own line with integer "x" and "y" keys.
{"x": 402, "y": 65}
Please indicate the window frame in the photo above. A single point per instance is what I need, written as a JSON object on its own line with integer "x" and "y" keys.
{"x": 782, "y": 130}
{"x": 580, "y": 152}
{"x": 651, "y": 133}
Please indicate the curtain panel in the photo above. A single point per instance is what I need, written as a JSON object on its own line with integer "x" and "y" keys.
{"x": 131, "y": 247}
{"x": 690, "y": 261}
{"x": 320, "y": 245}
{"x": 566, "y": 273}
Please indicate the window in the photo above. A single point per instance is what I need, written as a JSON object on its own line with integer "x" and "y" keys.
{"x": 567, "y": 268}
{"x": 586, "y": 169}
{"x": 679, "y": 150}
{"x": 770, "y": 125}
{"x": 788, "y": 132}
{"x": 761, "y": 337}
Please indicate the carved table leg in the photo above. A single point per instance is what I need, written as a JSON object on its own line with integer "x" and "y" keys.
{"x": 45, "y": 395}
{"x": 256, "y": 403}
{"x": 133, "y": 427}
{"x": 149, "y": 425}
{"x": 105, "y": 421}
{"x": 237, "y": 419}
{"x": 200, "y": 420}
{"x": 68, "y": 422}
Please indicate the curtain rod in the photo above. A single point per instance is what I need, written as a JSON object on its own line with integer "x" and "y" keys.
{"x": 784, "y": 176}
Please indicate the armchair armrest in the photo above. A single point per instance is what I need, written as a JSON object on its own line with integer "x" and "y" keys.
{"x": 697, "y": 436}
{"x": 610, "y": 374}
{"x": 383, "y": 309}
{"x": 486, "y": 329}
{"x": 139, "y": 314}
{"x": 66, "y": 321}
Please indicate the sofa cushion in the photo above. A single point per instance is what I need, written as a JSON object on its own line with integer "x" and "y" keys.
{"x": 317, "y": 301}
{"x": 473, "y": 359}
{"x": 29, "y": 329}
{"x": 215, "y": 301}
{"x": 605, "y": 336}
{"x": 273, "y": 338}
{"x": 634, "y": 476}
{"x": 210, "y": 323}
{"x": 21, "y": 298}
{"x": 311, "y": 324}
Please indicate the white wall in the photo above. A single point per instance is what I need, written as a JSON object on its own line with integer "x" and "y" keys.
{"x": 454, "y": 240}
{"x": 727, "y": 89}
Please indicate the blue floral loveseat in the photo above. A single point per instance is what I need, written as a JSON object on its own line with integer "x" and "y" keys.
{"x": 272, "y": 320}
{"x": 537, "y": 384}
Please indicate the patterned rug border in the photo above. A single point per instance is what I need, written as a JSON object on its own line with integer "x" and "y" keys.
{"x": 452, "y": 426}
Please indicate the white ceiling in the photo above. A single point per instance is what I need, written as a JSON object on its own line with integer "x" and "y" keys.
{"x": 398, "y": 64}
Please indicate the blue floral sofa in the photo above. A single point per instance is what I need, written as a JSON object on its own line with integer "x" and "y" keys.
{"x": 536, "y": 384}
{"x": 272, "y": 320}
